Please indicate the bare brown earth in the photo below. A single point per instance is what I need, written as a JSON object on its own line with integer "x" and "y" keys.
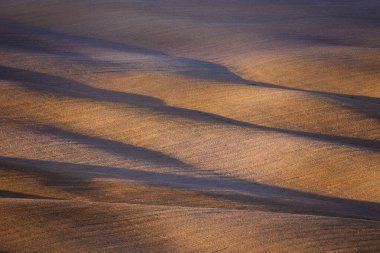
{"x": 189, "y": 126}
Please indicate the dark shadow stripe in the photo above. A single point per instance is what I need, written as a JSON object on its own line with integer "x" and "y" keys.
{"x": 64, "y": 87}
{"x": 281, "y": 199}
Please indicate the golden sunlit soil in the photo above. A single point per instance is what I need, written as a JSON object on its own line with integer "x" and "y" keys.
{"x": 189, "y": 126}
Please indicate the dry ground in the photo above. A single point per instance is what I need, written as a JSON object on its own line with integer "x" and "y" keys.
{"x": 189, "y": 126}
